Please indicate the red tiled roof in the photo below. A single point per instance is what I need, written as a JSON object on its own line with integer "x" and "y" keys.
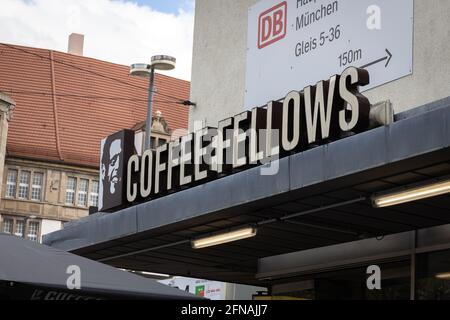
{"x": 79, "y": 124}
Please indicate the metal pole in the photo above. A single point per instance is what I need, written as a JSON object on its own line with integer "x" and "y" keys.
{"x": 148, "y": 126}
{"x": 413, "y": 266}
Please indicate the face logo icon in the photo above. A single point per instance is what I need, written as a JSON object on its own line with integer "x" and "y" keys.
{"x": 110, "y": 165}
{"x": 113, "y": 165}
{"x": 115, "y": 151}
{"x": 272, "y": 25}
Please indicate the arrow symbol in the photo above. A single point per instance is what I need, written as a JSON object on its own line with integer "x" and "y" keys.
{"x": 388, "y": 58}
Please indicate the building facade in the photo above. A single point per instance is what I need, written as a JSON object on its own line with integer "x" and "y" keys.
{"x": 64, "y": 104}
{"x": 221, "y": 47}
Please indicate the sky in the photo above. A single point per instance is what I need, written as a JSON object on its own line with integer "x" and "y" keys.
{"x": 119, "y": 31}
{"x": 168, "y": 6}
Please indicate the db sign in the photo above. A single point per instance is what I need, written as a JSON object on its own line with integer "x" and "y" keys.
{"x": 272, "y": 25}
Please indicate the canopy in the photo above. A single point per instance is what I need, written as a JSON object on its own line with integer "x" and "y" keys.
{"x": 319, "y": 198}
{"x": 31, "y": 271}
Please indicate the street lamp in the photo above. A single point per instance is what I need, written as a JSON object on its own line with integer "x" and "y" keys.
{"x": 160, "y": 62}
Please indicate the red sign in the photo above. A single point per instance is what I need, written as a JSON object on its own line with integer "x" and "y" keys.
{"x": 272, "y": 25}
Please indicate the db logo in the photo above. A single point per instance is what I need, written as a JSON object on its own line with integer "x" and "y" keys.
{"x": 272, "y": 25}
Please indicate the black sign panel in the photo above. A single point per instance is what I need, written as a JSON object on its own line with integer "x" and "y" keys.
{"x": 115, "y": 152}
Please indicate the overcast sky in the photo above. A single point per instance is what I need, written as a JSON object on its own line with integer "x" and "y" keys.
{"x": 119, "y": 31}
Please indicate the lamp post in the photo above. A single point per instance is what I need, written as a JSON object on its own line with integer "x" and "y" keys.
{"x": 160, "y": 62}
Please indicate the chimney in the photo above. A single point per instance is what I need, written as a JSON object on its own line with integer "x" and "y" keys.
{"x": 76, "y": 44}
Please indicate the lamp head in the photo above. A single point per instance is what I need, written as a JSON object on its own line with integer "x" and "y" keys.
{"x": 163, "y": 62}
{"x": 140, "y": 70}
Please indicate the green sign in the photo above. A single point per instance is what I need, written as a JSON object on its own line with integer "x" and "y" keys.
{"x": 200, "y": 291}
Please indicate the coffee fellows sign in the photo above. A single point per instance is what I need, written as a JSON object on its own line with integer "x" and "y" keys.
{"x": 316, "y": 115}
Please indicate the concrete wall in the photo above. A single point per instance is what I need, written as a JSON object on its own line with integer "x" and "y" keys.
{"x": 49, "y": 226}
{"x": 219, "y": 58}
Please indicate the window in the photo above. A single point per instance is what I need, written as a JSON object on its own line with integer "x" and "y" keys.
{"x": 153, "y": 143}
{"x": 25, "y": 177}
{"x": 70, "y": 190}
{"x": 156, "y": 142}
{"x": 8, "y": 225}
{"x": 11, "y": 183}
{"x": 82, "y": 193}
{"x": 161, "y": 142}
{"x": 17, "y": 225}
{"x": 433, "y": 276}
{"x": 19, "y": 228}
{"x": 24, "y": 184}
{"x": 36, "y": 188}
{"x": 33, "y": 231}
{"x": 93, "y": 198}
